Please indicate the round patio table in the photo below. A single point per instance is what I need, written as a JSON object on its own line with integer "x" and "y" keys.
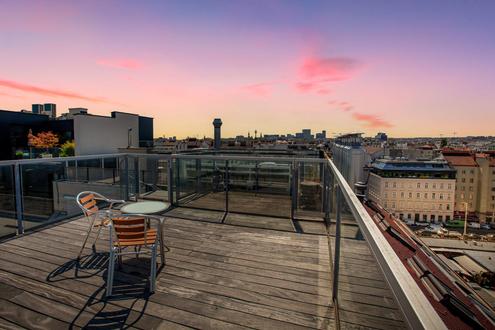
{"x": 152, "y": 209}
{"x": 147, "y": 207}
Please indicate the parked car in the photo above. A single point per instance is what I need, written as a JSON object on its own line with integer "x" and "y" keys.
{"x": 475, "y": 225}
{"x": 455, "y": 224}
{"x": 436, "y": 229}
{"x": 486, "y": 226}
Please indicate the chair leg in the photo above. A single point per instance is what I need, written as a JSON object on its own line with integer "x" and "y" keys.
{"x": 153, "y": 269}
{"x": 111, "y": 268}
{"x": 85, "y": 240}
{"x": 97, "y": 235}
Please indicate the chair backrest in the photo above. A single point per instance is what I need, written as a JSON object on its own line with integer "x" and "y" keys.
{"x": 87, "y": 202}
{"x": 130, "y": 230}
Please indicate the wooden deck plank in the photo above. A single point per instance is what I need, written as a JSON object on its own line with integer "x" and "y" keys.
{"x": 217, "y": 276}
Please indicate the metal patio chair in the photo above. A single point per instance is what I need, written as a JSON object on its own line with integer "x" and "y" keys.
{"x": 97, "y": 218}
{"x": 132, "y": 231}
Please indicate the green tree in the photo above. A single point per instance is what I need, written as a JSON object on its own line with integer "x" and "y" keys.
{"x": 67, "y": 149}
{"x": 444, "y": 143}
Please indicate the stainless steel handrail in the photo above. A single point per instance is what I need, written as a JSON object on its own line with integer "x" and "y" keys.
{"x": 416, "y": 308}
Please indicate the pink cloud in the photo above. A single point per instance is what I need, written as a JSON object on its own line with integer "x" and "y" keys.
{"x": 315, "y": 73}
{"x": 324, "y": 91}
{"x": 326, "y": 69}
{"x": 120, "y": 63}
{"x": 47, "y": 91}
{"x": 305, "y": 87}
{"x": 371, "y": 120}
{"x": 261, "y": 89}
{"x": 345, "y": 106}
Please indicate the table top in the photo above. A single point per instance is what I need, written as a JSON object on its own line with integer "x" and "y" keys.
{"x": 148, "y": 207}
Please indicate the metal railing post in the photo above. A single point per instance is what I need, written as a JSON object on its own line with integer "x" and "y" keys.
{"x": 177, "y": 181}
{"x": 226, "y": 183}
{"x": 170, "y": 173}
{"x": 126, "y": 178}
{"x": 18, "y": 199}
{"x": 293, "y": 204}
{"x": 198, "y": 173}
{"x": 326, "y": 194}
{"x": 336, "y": 259}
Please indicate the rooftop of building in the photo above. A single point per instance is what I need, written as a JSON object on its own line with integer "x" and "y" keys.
{"x": 412, "y": 165}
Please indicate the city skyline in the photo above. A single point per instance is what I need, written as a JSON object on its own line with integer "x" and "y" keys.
{"x": 417, "y": 69}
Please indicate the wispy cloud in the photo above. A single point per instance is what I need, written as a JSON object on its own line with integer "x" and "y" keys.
{"x": 260, "y": 89}
{"x": 316, "y": 73}
{"x": 48, "y": 91}
{"x": 327, "y": 69}
{"x": 120, "y": 63}
{"x": 370, "y": 120}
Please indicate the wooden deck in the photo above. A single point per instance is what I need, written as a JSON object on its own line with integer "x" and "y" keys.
{"x": 217, "y": 276}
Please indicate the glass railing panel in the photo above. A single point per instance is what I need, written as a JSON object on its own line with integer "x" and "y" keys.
{"x": 8, "y": 221}
{"x": 40, "y": 191}
{"x": 260, "y": 188}
{"x": 153, "y": 178}
{"x": 310, "y": 191}
{"x": 200, "y": 183}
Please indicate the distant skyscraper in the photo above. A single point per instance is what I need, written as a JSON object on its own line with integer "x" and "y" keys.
{"x": 50, "y": 109}
{"x": 37, "y": 108}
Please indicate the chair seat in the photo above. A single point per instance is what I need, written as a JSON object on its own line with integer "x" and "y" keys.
{"x": 151, "y": 236}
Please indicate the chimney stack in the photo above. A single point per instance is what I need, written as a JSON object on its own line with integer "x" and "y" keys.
{"x": 217, "y": 123}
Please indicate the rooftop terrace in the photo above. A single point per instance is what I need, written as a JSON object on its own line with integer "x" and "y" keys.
{"x": 253, "y": 242}
{"x": 216, "y": 276}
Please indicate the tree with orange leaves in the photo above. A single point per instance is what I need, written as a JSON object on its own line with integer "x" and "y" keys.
{"x": 42, "y": 140}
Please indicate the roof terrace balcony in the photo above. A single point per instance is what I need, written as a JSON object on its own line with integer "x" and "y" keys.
{"x": 253, "y": 242}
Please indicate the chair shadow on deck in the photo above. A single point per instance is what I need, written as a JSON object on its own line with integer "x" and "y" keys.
{"x": 130, "y": 294}
{"x": 85, "y": 267}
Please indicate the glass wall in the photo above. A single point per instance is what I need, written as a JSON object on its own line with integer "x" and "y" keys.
{"x": 8, "y": 221}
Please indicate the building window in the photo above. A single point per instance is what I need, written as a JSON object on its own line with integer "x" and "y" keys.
{"x": 417, "y": 196}
{"x": 441, "y": 196}
{"x": 434, "y": 186}
{"x": 394, "y": 185}
{"x": 441, "y": 185}
{"x": 419, "y": 185}
{"x": 471, "y": 180}
{"x": 386, "y": 184}
{"x": 386, "y": 195}
{"x": 402, "y": 194}
{"x": 462, "y": 195}
{"x": 470, "y": 188}
{"x": 426, "y": 186}
{"x": 448, "y": 206}
{"x": 450, "y": 186}
{"x": 394, "y": 194}
{"x": 472, "y": 171}
{"x": 440, "y": 206}
{"x": 426, "y": 195}
{"x": 432, "y": 195}
{"x": 470, "y": 196}
{"x": 425, "y": 217}
{"x": 410, "y": 195}
{"x": 463, "y": 180}
{"x": 440, "y": 218}
{"x": 463, "y": 171}
{"x": 432, "y": 217}
{"x": 447, "y": 217}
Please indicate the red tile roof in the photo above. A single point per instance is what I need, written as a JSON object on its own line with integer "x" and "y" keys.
{"x": 467, "y": 160}
{"x": 452, "y": 320}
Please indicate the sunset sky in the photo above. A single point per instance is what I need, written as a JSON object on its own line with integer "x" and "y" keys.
{"x": 408, "y": 68}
